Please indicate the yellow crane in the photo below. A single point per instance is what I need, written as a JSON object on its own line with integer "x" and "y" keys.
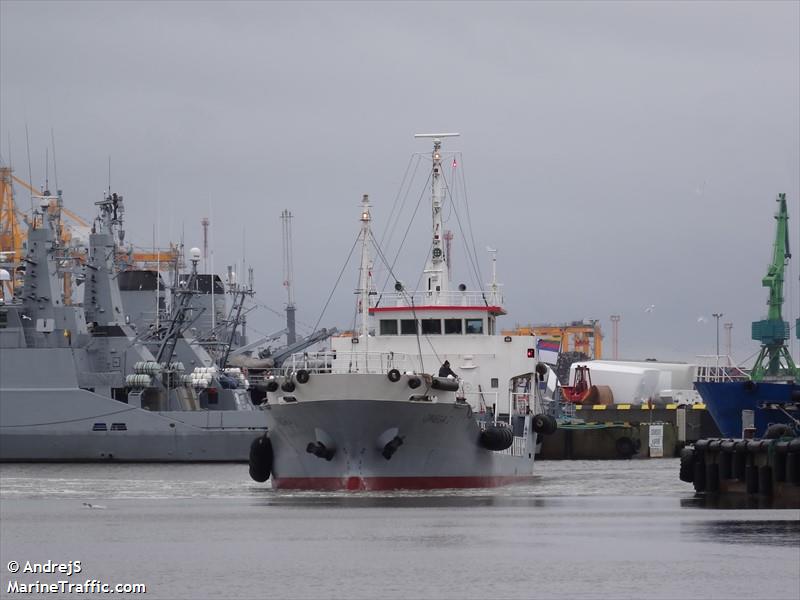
{"x": 14, "y": 224}
{"x": 12, "y": 235}
{"x": 578, "y": 336}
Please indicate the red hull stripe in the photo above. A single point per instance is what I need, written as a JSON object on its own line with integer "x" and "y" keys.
{"x": 492, "y": 309}
{"x": 396, "y": 483}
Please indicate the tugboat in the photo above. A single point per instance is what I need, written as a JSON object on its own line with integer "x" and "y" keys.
{"x": 771, "y": 390}
{"x": 370, "y": 414}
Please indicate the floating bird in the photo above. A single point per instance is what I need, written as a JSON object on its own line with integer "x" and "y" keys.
{"x": 650, "y": 308}
{"x": 702, "y": 319}
{"x": 94, "y": 506}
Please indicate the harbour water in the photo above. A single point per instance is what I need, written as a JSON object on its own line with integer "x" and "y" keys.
{"x": 626, "y": 529}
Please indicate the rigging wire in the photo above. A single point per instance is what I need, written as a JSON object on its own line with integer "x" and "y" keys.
{"x": 472, "y": 259}
{"x": 338, "y": 279}
{"x": 396, "y": 198}
{"x": 402, "y": 242}
{"x": 469, "y": 220}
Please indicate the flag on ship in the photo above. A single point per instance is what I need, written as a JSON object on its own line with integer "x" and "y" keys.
{"x": 551, "y": 345}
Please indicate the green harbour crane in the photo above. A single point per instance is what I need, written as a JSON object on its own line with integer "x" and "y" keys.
{"x": 774, "y": 360}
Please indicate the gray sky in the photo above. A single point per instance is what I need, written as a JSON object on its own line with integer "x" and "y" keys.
{"x": 617, "y": 155}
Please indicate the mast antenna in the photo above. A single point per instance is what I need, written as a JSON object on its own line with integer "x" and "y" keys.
{"x": 288, "y": 276}
{"x": 205, "y": 223}
{"x": 436, "y": 271}
{"x": 55, "y": 167}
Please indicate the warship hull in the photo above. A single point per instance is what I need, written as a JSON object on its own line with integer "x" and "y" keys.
{"x": 52, "y": 419}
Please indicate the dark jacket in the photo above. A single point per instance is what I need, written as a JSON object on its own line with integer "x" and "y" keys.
{"x": 445, "y": 370}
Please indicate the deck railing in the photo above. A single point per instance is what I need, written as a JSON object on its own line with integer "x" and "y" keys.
{"x": 352, "y": 362}
{"x": 717, "y": 369}
{"x": 426, "y": 298}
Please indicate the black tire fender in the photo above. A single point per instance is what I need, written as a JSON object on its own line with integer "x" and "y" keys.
{"x": 261, "y": 456}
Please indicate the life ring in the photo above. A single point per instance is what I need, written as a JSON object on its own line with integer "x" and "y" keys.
{"x": 302, "y": 376}
{"x": 288, "y": 386}
{"x": 414, "y": 382}
{"x": 393, "y": 375}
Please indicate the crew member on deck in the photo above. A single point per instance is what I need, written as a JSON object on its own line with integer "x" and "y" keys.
{"x": 446, "y": 371}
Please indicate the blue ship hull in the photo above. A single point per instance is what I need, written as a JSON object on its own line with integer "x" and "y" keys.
{"x": 726, "y": 401}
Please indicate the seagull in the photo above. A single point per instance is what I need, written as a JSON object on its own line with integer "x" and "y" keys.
{"x": 650, "y": 308}
{"x": 701, "y": 189}
{"x": 702, "y": 319}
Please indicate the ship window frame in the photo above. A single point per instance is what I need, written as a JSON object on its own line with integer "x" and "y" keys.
{"x": 431, "y": 326}
{"x": 405, "y": 330}
{"x": 450, "y": 323}
{"x": 467, "y": 323}
{"x": 385, "y": 326}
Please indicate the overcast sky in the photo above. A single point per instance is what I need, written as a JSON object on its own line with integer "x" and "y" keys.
{"x": 617, "y": 155}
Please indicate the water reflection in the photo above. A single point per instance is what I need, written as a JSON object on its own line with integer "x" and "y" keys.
{"x": 738, "y": 502}
{"x": 442, "y": 499}
{"x": 765, "y": 533}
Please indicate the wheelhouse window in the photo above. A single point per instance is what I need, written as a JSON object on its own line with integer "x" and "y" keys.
{"x": 474, "y": 325}
{"x": 388, "y": 326}
{"x": 408, "y": 326}
{"x": 453, "y": 326}
{"x": 431, "y": 326}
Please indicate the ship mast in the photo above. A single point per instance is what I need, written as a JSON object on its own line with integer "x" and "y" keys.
{"x": 436, "y": 268}
{"x": 364, "y": 279}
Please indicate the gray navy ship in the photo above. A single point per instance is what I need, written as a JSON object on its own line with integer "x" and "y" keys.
{"x": 77, "y": 381}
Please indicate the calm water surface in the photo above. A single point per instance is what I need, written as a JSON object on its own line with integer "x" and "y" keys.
{"x": 627, "y": 529}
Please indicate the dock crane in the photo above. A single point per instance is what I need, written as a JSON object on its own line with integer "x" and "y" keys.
{"x": 774, "y": 360}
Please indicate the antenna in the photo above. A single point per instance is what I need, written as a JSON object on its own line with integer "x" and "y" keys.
{"x": 109, "y": 174}
{"x": 30, "y": 174}
{"x": 55, "y": 168}
{"x": 205, "y": 223}
{"x": 436, "y": 135}
{"x": 288, "y": 269}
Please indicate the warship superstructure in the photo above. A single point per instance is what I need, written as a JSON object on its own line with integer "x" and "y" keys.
{"x": 78, "y": 384}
